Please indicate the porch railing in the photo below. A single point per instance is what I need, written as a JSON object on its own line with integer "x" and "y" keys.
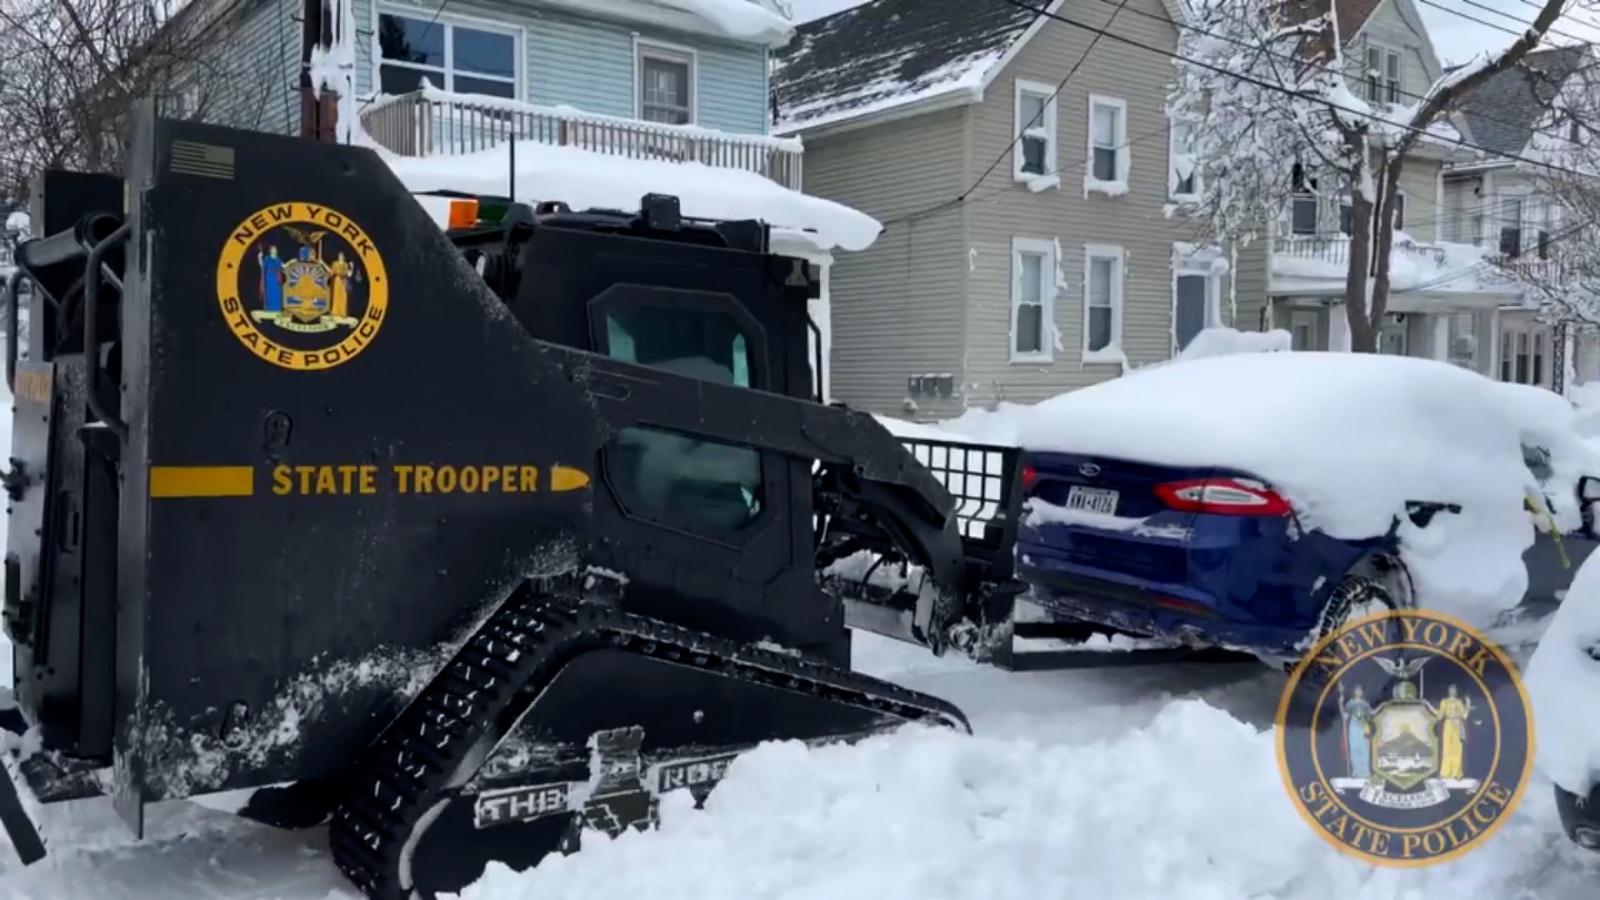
{"x": 430, "y": 122}
{"x": 1336, "y": 249}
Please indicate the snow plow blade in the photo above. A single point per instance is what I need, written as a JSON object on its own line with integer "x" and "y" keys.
{"x": 886, "y": 592}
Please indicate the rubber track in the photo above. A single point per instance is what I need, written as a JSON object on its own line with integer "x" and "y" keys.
{"x": 519, "y": 650}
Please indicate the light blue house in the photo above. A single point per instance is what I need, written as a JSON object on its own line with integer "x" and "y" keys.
{"x": 602, "y": 75}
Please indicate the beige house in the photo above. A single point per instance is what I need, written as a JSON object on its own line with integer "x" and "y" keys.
{"x": 1500, "y": 204}
{"x": 1006, "y": 271}
{"x": 1445, "y": 295}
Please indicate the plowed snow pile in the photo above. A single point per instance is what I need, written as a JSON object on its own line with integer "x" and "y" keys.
{"x": 1190, "y": 806}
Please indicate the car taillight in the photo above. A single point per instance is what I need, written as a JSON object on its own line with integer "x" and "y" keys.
{"x": 1222, "y": 496}
{"x": 1030, "y": 477}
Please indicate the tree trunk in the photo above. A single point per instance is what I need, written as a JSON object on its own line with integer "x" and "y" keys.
{"x": 1362, "y": 337}
{"x": 1383, "y": 242}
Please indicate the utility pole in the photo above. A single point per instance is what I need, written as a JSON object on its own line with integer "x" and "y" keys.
{"x": 319, "y": 116}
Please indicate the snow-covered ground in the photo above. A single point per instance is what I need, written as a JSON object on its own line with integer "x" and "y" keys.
{"x": 1128, "y": 782}
{"x": 1121, "y": 782}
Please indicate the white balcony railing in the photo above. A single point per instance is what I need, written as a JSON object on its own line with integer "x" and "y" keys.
{"x": 1335, "y": 249}
{"x": 431, "y": 122}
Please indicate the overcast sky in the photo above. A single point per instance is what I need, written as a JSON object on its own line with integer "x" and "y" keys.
{"x": 1455, "y": 36}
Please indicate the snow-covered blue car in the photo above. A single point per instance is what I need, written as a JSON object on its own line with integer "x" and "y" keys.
{"x": 1200, "y": 555}
{"x": 1255, "y": 502}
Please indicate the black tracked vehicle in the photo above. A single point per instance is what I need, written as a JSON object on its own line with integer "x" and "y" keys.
{"x": 461, "y": 542}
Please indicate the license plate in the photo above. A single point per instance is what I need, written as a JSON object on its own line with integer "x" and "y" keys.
{"x": 1096, "y": 500}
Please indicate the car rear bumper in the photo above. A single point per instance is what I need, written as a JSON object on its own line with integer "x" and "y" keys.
{"x": 1177, "y": 612}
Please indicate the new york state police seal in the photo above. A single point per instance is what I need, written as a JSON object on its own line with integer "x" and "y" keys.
{"x": 1405, "y": 738}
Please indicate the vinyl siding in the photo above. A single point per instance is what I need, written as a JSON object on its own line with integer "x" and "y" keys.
{"x": 1388, "y": 28}
{"x": 897, "y": 306}
{"x": 1250, "y": 285}
{"x": 589, "y": 63}
{"x": 1462, "y": 204}
{"x": 1419, "y": 181}
{"x": 253, "y": 68}
{"x": 1136, "y": 222}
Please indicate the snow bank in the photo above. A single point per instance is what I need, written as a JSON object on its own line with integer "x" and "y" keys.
{"x": 926, "y": 815}
{"x": 1227, "y": 341}
{"x": 1190, "y": 806}
{"x": 583, "y": 179}
{"x": 1563, "y": 680}
{"x": 1347, "y": 439}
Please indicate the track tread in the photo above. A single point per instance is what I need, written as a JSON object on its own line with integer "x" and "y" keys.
{"x": 523, "y": 645}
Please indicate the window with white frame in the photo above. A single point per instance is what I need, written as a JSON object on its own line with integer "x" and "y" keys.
{"x": 1108, "y": 144}
{"x": 1184, "y": 182}
{"x": 1511, "y": 227}
{"x": 666, "y": 84}
{"x": 1400, "y": 211}
{"x": 453, "y": 56}
{"x": 1303, "y": 205}
{"x": 1383, "y": 74}
{"x": 1036, "y": 122}
{"x": 1033, "y": 292}
{"x": 1524, "y": 350}
{"x": 1102, "y": 302}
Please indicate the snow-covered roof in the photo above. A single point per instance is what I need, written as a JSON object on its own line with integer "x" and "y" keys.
{"x": 586, "y": 180}
{"x": 1503, "y": 111}
{"x": 887, "y": 54}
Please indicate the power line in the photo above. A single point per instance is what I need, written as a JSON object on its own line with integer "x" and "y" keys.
{"x": 1495, "y": 25}
{"x": 968, "y": 198}
{"x": 1250, "y": 79}
{"x": 1298, "y": 61}
{"x": 1082, "y": 57}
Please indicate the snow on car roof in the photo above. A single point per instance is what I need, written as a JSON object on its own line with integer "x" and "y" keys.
{"x": 1348, "y": 439}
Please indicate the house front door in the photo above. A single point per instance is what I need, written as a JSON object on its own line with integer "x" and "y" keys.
{"x": 1189, "y": 316}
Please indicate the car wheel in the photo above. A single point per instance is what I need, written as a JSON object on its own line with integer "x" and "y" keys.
{"x": 1380, "y": 584}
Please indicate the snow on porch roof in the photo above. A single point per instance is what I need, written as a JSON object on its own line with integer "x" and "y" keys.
{"x": 585, "y": 180}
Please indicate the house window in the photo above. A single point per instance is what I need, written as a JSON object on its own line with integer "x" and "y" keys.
{"x": 1303, "y": 203}
{"x": 457, "y": 58}
{"x": 1303, "y": 214}
{"x": 1546, "y": 226}
{"x": 1346, "y": 218}
{"x": 666, "y": 84}
{"x": 1033, "y": 291}
{"x": 1108, "y": 144}
{"x": 1511, "y": 228}
{"x": 1383, "y": 74}
{"x": 1399, "y": 212}
{"x": 1036, "y": 122}
{"x": 1184, "y": 181}
{"x": 1102, "y": 303}
{"x": 1524, "y": 354}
